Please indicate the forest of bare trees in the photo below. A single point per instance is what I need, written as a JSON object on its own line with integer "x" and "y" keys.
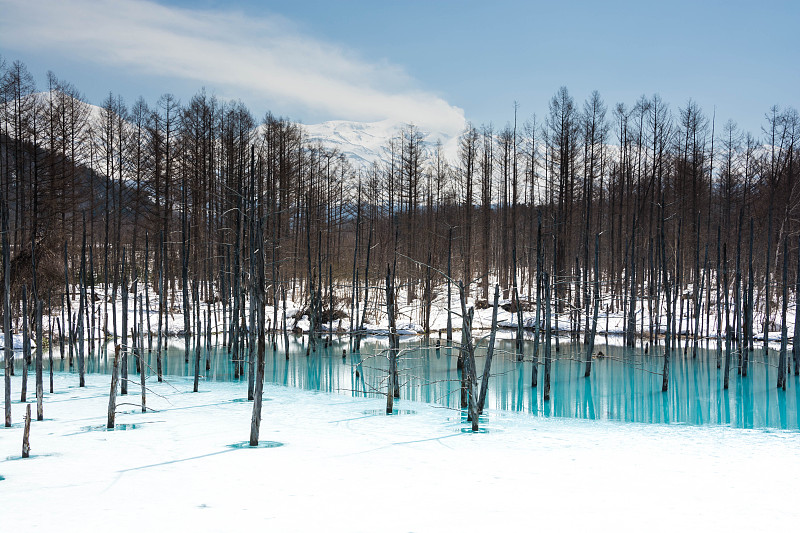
{"x": 691, "y": 214}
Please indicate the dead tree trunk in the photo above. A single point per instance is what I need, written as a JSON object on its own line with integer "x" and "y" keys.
{"x": 50, "y": 337}
{"x": 392, "y": 341}
{"x": 39, "y": 378}
{"x": 727, "y": 316}
{"x": 285, "y": 329}
{"x": 161, "y": 285}
{"x": 750, "y": 287}
{"x": 468, "y": 349}
{"x": 260, "y": 303}
{"x": 112, "y": 396}
{"x": 697, "y": 304}
{"x": 489, "y": 353}
{"x": 520, "y": 332}
{"x": 428, "y": 298}
{"x": 196, "y": 291}
{"x": 26, "y": 435}
{"x": 125, "y": 294}
{"x": 590, "y": 347}
{"x": 26, "y": 345}
{"x": 668, "y": 300}
{"x": 449, "y": 286}
{"x": 796, "y": 342}
{"x": 782, "y": 358}
{"x": 537, "y": 325}
{"x": 8, "y": 340}
{"x": 547, "y": 336}
{"x": 360, "y": 333}
{"x": 140, "y": 351}
{"x": 68, "y": 298}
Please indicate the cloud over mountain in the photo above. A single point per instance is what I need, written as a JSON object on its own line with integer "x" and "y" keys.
{"x": 264, "y": 59}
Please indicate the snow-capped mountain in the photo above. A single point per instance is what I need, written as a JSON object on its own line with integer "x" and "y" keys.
{"x": 364, "y": 143}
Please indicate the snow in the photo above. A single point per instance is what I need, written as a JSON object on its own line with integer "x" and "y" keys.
{"x": 409, "y": 319}
{"x": 364, "y": 143}
{"x": 343, "y": 466}
{"x": 17, "y": 341}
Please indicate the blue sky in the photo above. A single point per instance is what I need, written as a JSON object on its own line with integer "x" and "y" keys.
{"x": 433, "y": 63}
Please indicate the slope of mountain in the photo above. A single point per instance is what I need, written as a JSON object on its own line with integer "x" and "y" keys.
{"x": 364, "y": 143}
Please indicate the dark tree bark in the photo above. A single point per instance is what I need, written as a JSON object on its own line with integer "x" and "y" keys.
{"x": 548, "y": 334}
{"x": 784, "y": 303}
{"x": 39, "y": 377}
{"x": 112, "y": 396}
{"x": 489, "y": 352}
{"x": 596, "y": 307}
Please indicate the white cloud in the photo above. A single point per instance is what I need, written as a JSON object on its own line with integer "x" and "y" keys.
{"x": 263, "y": 58}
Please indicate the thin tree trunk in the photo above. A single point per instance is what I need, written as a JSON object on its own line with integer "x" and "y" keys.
{"x": 50, "y": 337}
{"x": 668, "y": 338}
{"x": 112, "y": 396}
{"x": 726, "y": 376}
{"x": 547, "y": 336}
{"x": 196, "y": 291}
{"x": 468, "y": 350}
{"x": 392, "y": 334}
{"x": 26, "y": 344}
{"x": 39, "y": 378}
{"x": 8, "y": 340}
{"x": 140, "y": 350}
{"x": 161, "y": 284}
{"x": 26, "y": 435}
{"x": 520, "y": 332}
{"x": 489, "y": 353}
{"x": 125, "y": 294}
{"x": 782, "y": 358}
{"x": 590, "y": 347}
{"x": 260, "y": 303}
{"x": 796, "y": 342}
{"x": 449, "y": 286}
{"x": 538, "y": 324}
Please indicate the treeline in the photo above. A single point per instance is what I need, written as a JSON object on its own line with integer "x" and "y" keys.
{"x": 674, "y": 195}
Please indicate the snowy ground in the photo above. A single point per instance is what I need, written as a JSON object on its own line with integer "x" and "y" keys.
{"x": 343, "y": 466}
{"x": 409, "y": 319}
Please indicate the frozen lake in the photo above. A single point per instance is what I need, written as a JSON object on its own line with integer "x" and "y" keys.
{"x": 625, "y": 385}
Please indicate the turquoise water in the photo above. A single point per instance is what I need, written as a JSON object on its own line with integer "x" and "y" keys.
{"x": 625, "y": 385}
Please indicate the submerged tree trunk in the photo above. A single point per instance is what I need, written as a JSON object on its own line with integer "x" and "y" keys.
{"x": 449, "y": 286}
{"x": 390, "y": 310}
{"x": 796, "y": 342}
{"x": 726, "y": 376}
{"x": 667, "y": 340}
{"x": 125, "y": 347}
{"x": 112, "y": 396}
{"x": 8, "y": 340}
{"x": 538, "y": 324}
{"x": 26, "y": 345}
{"x": 590, "y": 347}
{"x": 196, "y": 384}
{"x": 489, "y": 352}
{"x": 260, "y": 303}
{"x": 548, "y": 336}
{"x": 782, "y": 358}
{"x": 39, "y": 377}
{"x": 520, "y": 332}
{"x": 468, "y": 351}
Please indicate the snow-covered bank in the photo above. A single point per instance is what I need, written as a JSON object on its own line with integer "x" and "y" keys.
{"x": 343, "y": 466}
{"x": 107, "y": 318}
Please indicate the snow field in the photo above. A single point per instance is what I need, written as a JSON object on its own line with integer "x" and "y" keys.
{"x": 344, "y": 466}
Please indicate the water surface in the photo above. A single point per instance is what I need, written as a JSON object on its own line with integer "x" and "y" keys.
{"x": 625, "y": 385}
